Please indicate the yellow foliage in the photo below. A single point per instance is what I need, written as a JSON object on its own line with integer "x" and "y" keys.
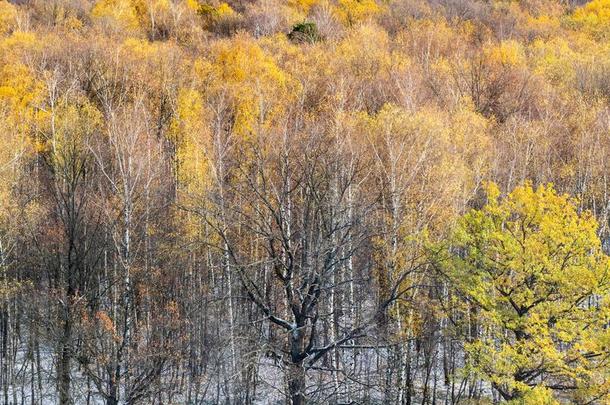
{"x": 536, "y": 396}
{"x": 544, "y": 24}
{"x": 123, "y": 13}
{"x": 189, "y": 134}
{"x": 529, "y": 263}
{"x": 417, "y": 151}
{"x": 18, "y": 45}
{"x": 67, "y": 132}
{"x": 140, "y": 49}
{"x": 593, "y": 18}
{"x": 8, "y": 14}
{"x": 259, "y": 88}
{"x": 554, "y": 59}
{"x": 21, "y": 92}
{"x": 370, "y": 59}
{"x": 303, "y": 5}
{"x": 354, "y": 11}
{"x": 215, "y": 14}
{"x": 192, "y": 4}
{"x": 224, "y": 10}
{"x": 506, "y": 53}
{"x": 435, "y": 37}
{"x": 18, "y": 88}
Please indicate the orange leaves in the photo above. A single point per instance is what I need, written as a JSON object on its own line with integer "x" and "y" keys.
{"x": 106, "y": 323}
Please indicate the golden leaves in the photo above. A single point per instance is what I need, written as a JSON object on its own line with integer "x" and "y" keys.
{"x": 121, "y": 13}
{"x": 593, "y": 18}
{"x": 355, "y": 11}
{"x": 506, "y": 53}
{"x": 8, "y": 15}
{"x": 258, "y": 89}
{"x": 191, "y": 136}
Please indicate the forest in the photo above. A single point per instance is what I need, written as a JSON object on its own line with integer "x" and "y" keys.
{"x": 304, "y": 202}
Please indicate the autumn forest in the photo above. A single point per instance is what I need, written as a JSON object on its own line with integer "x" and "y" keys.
{"x": 304, "y": 202}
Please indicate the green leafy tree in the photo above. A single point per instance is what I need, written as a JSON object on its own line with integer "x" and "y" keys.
{"x": 532, "y": 270}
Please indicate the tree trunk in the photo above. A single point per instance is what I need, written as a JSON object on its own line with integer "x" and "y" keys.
{"x": 112, "y": 398}
{"x": 296, "y": 384}
{"x": 64, "y": 361}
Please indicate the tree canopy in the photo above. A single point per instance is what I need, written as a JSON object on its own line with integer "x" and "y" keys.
{"x": 304, "y": 201}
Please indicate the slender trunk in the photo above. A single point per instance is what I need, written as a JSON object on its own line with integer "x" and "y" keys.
{"x": 64, "y": 376}
{"x": 4, "y": 359}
